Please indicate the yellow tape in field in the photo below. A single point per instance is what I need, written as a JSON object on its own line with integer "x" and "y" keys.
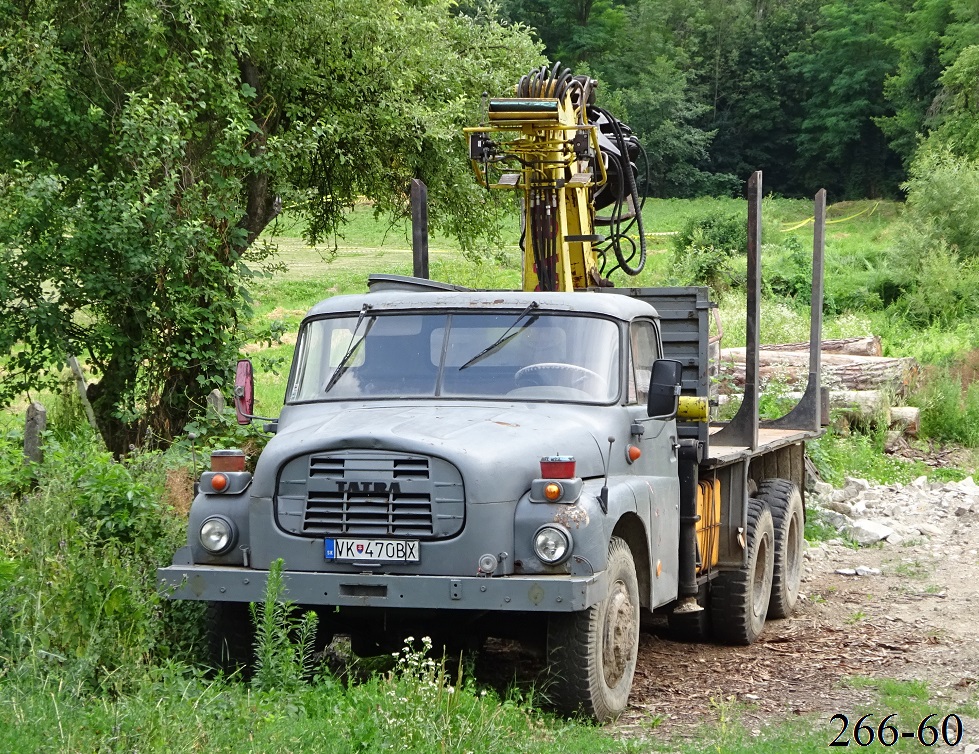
{"x": 810, "y": 220}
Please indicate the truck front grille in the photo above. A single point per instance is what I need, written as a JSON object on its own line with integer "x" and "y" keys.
{"x": 370, "y": 494}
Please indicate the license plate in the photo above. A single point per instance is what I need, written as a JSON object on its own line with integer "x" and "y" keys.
{"x": 376, "y": 550}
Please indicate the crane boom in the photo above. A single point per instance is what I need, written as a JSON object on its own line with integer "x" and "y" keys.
{"x": 569, "y": 158}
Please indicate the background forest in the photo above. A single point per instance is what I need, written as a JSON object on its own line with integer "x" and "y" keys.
{"x": 841, "y": 94}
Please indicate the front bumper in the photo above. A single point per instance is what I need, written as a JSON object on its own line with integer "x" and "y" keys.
{"x": 511, "y": 593}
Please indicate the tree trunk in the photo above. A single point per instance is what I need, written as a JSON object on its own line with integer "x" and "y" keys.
{"x": 864, "y": 346}
{"x": 839, "y": 371}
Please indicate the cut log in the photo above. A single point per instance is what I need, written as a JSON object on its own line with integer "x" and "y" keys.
{"x": 906, "y": 419}
{"x": 839, "y": 371}
{"x": 865, "y": 346}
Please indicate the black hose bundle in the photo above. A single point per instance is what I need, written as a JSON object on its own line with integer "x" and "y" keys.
{"x": 626, "y": 236}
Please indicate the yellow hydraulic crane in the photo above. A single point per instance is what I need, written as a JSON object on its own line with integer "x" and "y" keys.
{"x": 569, "y": 158}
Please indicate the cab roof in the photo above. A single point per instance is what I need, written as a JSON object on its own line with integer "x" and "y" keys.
{"x": 385, "y": 298}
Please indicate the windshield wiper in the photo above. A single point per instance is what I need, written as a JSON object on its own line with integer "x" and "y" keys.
{"x": 505, "y": 337}
{"x": 355, "y": 342}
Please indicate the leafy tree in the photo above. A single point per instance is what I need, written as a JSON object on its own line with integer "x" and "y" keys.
{"x": 643, "y": 84}
{"x": 145, "y": 146}
{"x": 573, "y": 31}
{"x": 913, "y": 87}
{"x": 840, "y": 146}
{"x": 959, "y": 127}
{"x": 756, "y": 95}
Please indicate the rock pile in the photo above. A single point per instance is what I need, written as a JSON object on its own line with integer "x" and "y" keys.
{"x": 894, "y": 514}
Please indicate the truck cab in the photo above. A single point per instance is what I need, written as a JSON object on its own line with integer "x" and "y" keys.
{"x": 452, "y": 463}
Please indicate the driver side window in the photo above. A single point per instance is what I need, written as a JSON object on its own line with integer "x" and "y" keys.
{"x": 645, "y": 350}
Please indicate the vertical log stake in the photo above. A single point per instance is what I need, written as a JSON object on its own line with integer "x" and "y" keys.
{"x": 419, "y": 228}
{"x": 37, "y": 422}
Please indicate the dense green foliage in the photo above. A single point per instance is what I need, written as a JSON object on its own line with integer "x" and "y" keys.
{"x": 93, "y": 659}
{"x": 145, "y": 147}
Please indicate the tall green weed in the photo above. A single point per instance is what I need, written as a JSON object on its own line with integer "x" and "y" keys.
{"x": 85, "y": 543}
{"x": 859, "y": 454}
{"x": 283, "y": 641}
{"x": 949, "y": 411}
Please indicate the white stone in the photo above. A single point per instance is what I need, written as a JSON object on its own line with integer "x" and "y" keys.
{"x": 837, "y": 520}
{"x": 846, "y": 572}
{"x": 872, "y": 497}
{"x": 823, "y": 489}
{"x": 858, "y": 484}
{"x": 867, "y": 571}
{"x": 840, "y": 507}
{"x": 928, "y": 529}
{"x": 969, "y": 484}
{"x": 867, "y": 532}
{"x": 894, "y": 539}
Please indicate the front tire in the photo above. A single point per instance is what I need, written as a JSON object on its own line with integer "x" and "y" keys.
{"x": 739, "y": 599}
{"x": 592, "y": 653}
{"x": 231, "y": 637}
{"x": 785, "y": 502}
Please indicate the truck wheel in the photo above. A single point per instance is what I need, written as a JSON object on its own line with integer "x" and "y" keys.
{"x": 739, "y": 599}
{"x": 231, "y": 637}
{"x": 592, "y": 653}
{"x": 785, "y": 502}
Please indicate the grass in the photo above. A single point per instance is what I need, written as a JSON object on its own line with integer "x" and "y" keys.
{"x": 174, "y": 708}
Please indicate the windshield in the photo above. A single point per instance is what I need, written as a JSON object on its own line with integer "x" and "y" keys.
{"x": 506, "y": 355}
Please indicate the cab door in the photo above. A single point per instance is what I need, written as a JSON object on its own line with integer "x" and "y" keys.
{"x": 657, "y": 483}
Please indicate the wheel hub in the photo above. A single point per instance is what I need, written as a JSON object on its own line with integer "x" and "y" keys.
{"x": 618, "y": 634}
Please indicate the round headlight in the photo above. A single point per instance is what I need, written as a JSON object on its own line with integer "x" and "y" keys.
{"x": 552, "y": 544}
{"x": 217, "y": 535}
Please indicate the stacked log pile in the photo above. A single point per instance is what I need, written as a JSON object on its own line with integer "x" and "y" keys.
{"x": 864, "y": 386}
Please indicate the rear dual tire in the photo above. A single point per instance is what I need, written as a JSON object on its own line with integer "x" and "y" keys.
{"x": 785, "y": 502}
{"x": 740, "y": 599}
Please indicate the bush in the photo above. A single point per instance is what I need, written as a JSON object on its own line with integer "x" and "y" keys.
{"x": 704, "y": 250}
{"x": 84, "y": 545}
{"x": 787, "y": 271}
{"x": 936, "y": 270}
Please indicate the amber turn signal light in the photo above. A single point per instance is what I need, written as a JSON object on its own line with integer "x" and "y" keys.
{"x": 553, "y": 491}
{"x": 634, "y": 453}
{"x": 219, "y": 482}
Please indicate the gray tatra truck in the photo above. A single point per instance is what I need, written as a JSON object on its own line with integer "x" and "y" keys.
{"x": 460, "y": 464}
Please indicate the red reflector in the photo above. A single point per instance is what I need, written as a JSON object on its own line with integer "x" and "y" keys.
{"x": 634, "y": 453}
{"x": 557, "y": 467}
{"x": 227, "y": 460}
{"x": 219, "y": 482}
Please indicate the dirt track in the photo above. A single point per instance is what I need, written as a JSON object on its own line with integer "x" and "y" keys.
{"x": 916, "y": 620}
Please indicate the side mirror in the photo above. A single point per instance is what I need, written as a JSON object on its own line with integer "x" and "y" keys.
{"x": 664, "y": 389}
{"x": 244, "y": 392}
